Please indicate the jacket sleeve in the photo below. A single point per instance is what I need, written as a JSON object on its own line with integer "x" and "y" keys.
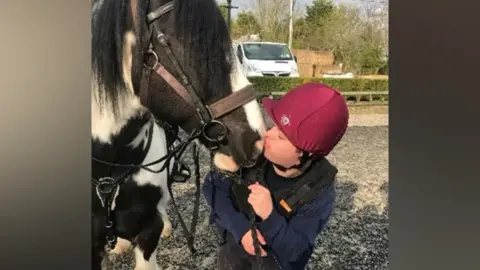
{"x": 216, "y": 191}
{"x": 294, "y": 240}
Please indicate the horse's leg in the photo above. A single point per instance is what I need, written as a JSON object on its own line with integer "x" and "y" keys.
{"x": 162, "y": 206}
{"x": 98, "y": 242}
{"x": 167, "y": 225}
{"x": 121, "y": 246}
{"x": 147, "y": 241}
{"x": 97, "y": 258}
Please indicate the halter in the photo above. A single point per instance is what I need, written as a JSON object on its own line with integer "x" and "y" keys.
{"x": 208, "y": 114}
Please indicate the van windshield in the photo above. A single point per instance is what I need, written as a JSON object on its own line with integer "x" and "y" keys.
{"x": 263, "y": 51}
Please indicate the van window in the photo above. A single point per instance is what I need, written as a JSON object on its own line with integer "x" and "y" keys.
{"x": 262, "y": 51}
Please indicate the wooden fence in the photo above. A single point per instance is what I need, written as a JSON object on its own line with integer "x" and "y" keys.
{"x": 315, "y": 63}
{"x": 357, "y": 95}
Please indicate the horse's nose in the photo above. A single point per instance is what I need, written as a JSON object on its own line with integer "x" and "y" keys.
{"x": 256, "y": 154}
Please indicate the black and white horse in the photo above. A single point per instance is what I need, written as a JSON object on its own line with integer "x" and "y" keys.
{"x": 165, "y": 60}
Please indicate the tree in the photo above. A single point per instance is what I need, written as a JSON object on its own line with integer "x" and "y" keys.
{"x": 356, "y": 34}
{"x": 374, "y": 49}
{"x": 272, "y": 16}
{"x": 245, "y": 24}
{"x": 308, "y": 30}
{"x": 223, "y": 10}
{"x": 319, "y": 12}
{"x": 301, "y": 32}
{"x": 341, "y": 35}
{"x": 371, "y": 50}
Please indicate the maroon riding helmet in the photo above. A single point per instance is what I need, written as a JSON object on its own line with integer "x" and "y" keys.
{"x": 313, "y": 116}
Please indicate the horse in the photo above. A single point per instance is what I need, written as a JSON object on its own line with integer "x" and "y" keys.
{"x": 160, "y": 63}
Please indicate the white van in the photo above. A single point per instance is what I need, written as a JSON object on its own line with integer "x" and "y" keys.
{"x": 260, "y": 58}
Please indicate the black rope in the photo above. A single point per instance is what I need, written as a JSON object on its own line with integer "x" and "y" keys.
{"x": 237, "y": 178}
{"x": 179, "y": 149}
{"x": 256, "y": 243}
{"x": 189, "y": 235}
{"x": 253, "y": 224}
{"x": 196, "y": 206}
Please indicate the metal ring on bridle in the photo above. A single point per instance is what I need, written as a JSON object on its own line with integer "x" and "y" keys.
{"x": 221, "y": 135}
{"x": 155, "y": 56}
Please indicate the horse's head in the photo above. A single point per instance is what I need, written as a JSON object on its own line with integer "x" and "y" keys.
{"x": 186, "y": 73}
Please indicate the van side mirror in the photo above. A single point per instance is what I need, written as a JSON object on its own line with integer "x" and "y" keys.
{"x": 295, "y": 57}
{"x": 239, "y": 55}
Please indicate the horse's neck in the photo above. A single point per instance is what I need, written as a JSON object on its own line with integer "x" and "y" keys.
{"x": 105, "y": 125}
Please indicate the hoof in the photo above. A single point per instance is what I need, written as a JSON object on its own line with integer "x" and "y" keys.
{"x": 167, "y": 230}
{"x": 121, "y": 247}
{"x": 143, "y": 268}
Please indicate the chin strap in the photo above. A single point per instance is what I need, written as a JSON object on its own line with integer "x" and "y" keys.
{"x": 304, "y": 158}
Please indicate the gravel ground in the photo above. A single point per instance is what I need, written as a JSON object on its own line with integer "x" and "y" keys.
{"x": 355, "y": 238}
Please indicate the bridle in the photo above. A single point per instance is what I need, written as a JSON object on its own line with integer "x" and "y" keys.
{"x": 208, "y": 114}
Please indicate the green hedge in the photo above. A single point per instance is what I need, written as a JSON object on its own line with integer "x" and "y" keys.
{"x": 282, "y": 84}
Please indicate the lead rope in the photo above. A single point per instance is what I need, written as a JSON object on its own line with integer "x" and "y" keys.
{"x": 189, "y": 235}
{"x": 256, "y": 243}
{"x": 253, "y": 224}
{"x": 251, "y": 215}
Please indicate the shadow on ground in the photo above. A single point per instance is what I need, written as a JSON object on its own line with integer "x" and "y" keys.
{"x": 354, "y": 238}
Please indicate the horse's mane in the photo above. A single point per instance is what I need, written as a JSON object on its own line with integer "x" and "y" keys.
{"x": 108, "y": 28}
{"x": 198, "y": 27}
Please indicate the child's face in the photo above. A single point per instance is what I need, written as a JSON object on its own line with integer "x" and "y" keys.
{"x": 279, "y": 150}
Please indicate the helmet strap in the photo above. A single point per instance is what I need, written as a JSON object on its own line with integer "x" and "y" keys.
{"x": 304, "y": 158}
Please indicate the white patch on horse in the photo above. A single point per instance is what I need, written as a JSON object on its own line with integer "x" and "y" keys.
{"x": 142, "y": 264}
{"x": 252, "y": 109}
{"x": 141, "y": 137}
{"x": 104, "y": 123}
{"x": 129, "y": 42}
{"x": 158, "y": 149}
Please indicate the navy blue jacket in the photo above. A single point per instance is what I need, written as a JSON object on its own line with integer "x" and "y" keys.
{"x": 291, "y": 241}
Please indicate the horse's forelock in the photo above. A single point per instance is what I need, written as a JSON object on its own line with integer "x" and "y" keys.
{"x": 206, "y": 44}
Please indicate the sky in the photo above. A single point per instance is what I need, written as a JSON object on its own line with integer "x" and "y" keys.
{"x": 245, "y": 4}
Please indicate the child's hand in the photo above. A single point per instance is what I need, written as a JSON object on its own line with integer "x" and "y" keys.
{"x": 247, "y": 243}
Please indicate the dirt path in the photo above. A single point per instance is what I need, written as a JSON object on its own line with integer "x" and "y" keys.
{"x": 356, "y": 237}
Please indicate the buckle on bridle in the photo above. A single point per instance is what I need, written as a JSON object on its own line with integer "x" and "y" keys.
{"x": 163, "y": 39}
